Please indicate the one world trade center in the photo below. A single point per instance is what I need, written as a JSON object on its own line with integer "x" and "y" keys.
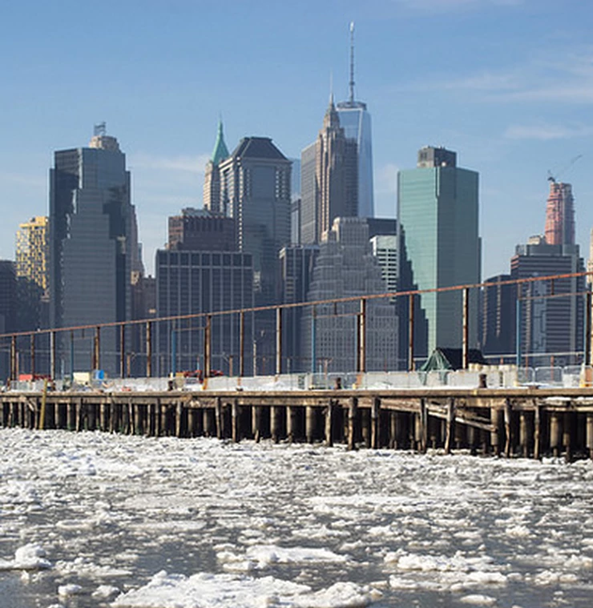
{"x": 356, "y": 122}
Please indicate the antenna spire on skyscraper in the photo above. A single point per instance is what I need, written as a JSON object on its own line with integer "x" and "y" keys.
{"x": 351, "y": 61}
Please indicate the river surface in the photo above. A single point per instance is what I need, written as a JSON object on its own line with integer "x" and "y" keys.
{"x": 92, "y": 520}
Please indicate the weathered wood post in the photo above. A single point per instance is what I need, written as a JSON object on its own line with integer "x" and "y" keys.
{"x": 508, "y": 416}
{"x": 555, "y": 434}
{"x": 422, "y": 427}
{"x": 537, "y": 431}
{"x": 589, "y": 434}
{"x": 352, "y": 419}
{"x": 450, "y": 425}
{"x": 329, "y": 423}
{"x": 375, "y": 423}
{"x": 218, "y": 415}
{"x": 236, "y": 421}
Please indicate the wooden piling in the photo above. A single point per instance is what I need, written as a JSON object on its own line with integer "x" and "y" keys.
{"x": 352, "y": 420}
{"x": 329, "y": 423}
{"x": 508, "y": 414}
{"x": 310, "y": 422}
{"x": 375, "y": 423}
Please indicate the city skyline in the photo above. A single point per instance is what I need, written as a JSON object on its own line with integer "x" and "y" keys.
{"x": 510, "y": 95}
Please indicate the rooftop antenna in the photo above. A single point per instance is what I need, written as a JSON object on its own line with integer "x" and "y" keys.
{"x": 100, "y": 129}
{"x": 352, "y": 62}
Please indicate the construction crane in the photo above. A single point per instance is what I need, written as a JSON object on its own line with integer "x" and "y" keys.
{"x": 553, "y": 178}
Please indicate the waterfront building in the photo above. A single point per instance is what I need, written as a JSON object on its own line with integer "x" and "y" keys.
{"x": 345, "y": 267}
{"x": 329, "y": 176}
{"x": 356, "y": 122}
{"x": 438, "y": 239}
{"x": 384, "y": 248}
{"x": 31, "y": 264}
{"x": 255, "y": 190}
{"x": 296, "y": 270}
{"x": 499, "y": 319}
{"x": 199, "y": 276}
{"x": 93, "y": 249}
{"x": 8, "y": 305}
{"x": 550, "y": 323}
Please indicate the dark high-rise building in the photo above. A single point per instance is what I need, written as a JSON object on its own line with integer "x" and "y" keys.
{"x": 255, "y": 190}
{"x": 7, "y": 313}
{"x": 200, "y": 229}
{"x": 499, "y": 319}
{"x": 93, "y": 248}
{"x": 550, "y": 312}
{"x": 329, "y": 176}
{"x": 296, "y": 267}
{"x": 194, "y": 277}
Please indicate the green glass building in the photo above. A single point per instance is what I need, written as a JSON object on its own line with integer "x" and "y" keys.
{"x": 438, "y": 208}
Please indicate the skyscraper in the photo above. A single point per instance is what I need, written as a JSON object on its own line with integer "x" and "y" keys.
{"x": 212, "y": 175}
{"x": 438, "y": 218}
{"x": 329, "y": 175}
{"x": 560, "y": 214}
{"x": 345, "y": 267}
{"x": 255, "y": 190}
{"x": 201, "y": 275}
{"x": 550, "y": 323}
{"x": 356, "y": 122}
{"x": 32, "y": 273}
{"x": 93, "y": 246}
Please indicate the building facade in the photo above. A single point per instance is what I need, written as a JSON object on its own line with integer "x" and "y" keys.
{"x": 212, "y": 174}
{"x": 356, "y": 122}
{"x": 192, "y": 282}
{"x": 345, "y": 267}
{"x": 334, "y": 191}
{"x": 93, "y": 249}
{"x": 31, "y": 263}
{"x": 256, "y": 192}
{"x": 200, "y": 229}
{"x": 438, "y": 236}
{"x": 550, "y": 313}
{"x": 560, "y": 214}
{"x": 499, "y": 313}
{"x": 296, "y": 269}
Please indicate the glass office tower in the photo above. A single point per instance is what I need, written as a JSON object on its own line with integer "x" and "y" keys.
{"x": 356, "y": 122}
{"x": 438, "y": 219}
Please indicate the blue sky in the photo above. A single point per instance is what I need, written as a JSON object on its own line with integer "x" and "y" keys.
{"x": 508, "y": 84}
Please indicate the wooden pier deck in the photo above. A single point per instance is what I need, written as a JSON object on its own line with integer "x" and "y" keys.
{"x": 528, "y": 422}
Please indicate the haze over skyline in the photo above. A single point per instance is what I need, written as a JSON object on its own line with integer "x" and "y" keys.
{"x": 507, "y": 84}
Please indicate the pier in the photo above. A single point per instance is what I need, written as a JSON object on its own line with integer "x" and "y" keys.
{"x": 513, "y": 422}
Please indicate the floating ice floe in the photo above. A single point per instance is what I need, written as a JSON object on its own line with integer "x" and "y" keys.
{"x": 237, "y": 591}
{"x": 259, "y": 557}
{"x": 28, "y": 557}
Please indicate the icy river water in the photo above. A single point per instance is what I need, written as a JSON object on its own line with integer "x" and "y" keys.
{"x": 92, "y": 519}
